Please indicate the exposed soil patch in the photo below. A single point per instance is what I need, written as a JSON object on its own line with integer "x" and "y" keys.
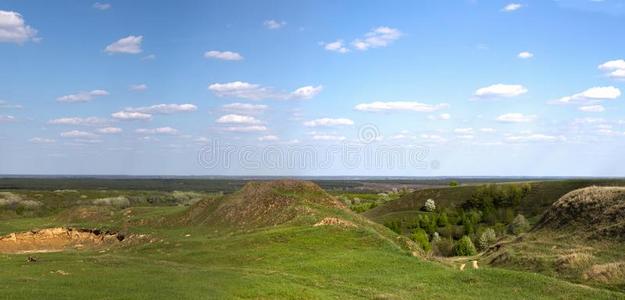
{"x": 57, "y": 239}
{"x": 329, "y": 221}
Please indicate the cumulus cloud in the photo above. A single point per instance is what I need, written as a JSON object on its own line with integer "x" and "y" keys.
{"x": 325, "y": 122}
{"x": 129, "y": 45}
{"x": 88, "y": 121}
{"x": 250, "y": 91}
{"x": 614, "y": 68}
{"x": 500, "y": 91}
{"x": 244, "y": 107}
{"x": 131, "y": 116}
{"x": 488, "y": 130}
{"x": 591, "y": 95}
{"x": 102, "y": 6}
{"x": 592, "y": 108}
{"x": 516, "y": 118}
{"x": 82, "y": 96}
{"x": 399, "y": 106}
{"x": 138, "y": 87}
{"x": 6, "y": 119}
{"x": 433, "y": 138}
{"x": 5, "y": 104}
{"x": 534, "y": 138}
{"x": 164, "y": 109}
{"x": 512, "y": 7}
{"x": 525, "y": 55}
{"x": 268, "y": 138}
{"x": 223, "y": 55}
{"x": 274, "y": 24}
{"x": 109, "y": 130}
{"x": 38, "y": 140}
{"x": 463, "y": 130}
{"x": 160, "y": 130}
{"x": 328, "y": 137}
{"x": 378, "y": 37}
{"x": 79, "y": 134}
{"x": 336, "y": 46}
{"x": 443, "y": 116}
{"x": 13, "y": 28}
{"x": 237, "y": 119}
{"x": 254, "y": 128}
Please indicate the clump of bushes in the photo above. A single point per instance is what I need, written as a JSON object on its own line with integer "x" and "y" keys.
{"x": 420, "y": 237}
{"x": 519, "y": 225}
{"x": 120, "y": 201}
{"x": 464, "y": 247}
{"x": 486, "y": 238}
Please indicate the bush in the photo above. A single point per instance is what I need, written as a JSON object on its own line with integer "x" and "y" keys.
{"x": 444, "y": 247}
{"x": 421, "y": 238}
{"x": 486, "y": 238}
{"x": 453, "y": 183}
{"x": 430, "y": 205}
{"x": 519, "y": 225}
{"x": 464, "y": 247}
{"x": 120, "y": 201}
{"x": 394, "y": 226}
{"x": 436, "y": 238}
{"x": 443, "y": 220}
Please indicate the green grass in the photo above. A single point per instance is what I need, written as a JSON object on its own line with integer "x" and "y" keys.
{"x": 287, "y": 262}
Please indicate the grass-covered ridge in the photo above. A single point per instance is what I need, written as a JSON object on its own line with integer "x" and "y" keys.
{"x": 201, "y": 258}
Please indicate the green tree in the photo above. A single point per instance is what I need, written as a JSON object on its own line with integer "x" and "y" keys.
{"x": 464, "y": 247}
{"x": 420, "y": 237}
{"x": 519, "y": 225}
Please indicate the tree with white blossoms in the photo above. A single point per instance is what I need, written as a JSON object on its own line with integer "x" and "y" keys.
{"x": 487, "y": 238}
{"x": 430, "y": 205}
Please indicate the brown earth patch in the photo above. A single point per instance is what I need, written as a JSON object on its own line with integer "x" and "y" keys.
{"x": 330, "y": 221}
{"x": 56, "y": 240}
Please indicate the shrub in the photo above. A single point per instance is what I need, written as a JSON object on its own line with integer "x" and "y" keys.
{"x": 444, "y": 247}
{"x": 486, "y": 238}
{"x": 443, "y": 220}
{"x": 430, "y": 205}
{"x": 519, "y": 225}
{"x": 394, "y": 226}
{"x": 464, "y": 247}
{"x": 436, "y": 237}
{"x": 421, "y": 238}
{"x": 453, "y": 183}
{"x": 120, "y": 201}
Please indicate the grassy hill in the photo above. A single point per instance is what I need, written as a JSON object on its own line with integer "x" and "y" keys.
{"x": 291, "y": 247}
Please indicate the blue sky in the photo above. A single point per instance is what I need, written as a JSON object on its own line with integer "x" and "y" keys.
{"x": 427, "y": 88}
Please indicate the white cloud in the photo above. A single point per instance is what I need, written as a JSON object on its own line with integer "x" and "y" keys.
{"x": 488, "y": 130}
{"x": 164, "y": 109}
{"x": 525, "y": 55}
{"x": 399, "y": 106}
{"x": 5, "y": 104}
{"x": 160, "y": 130}
{"x": 78, "y": 134}
{"x": 89, "y": 121}
{"x": 237, "y": 119}
{"x": 130, "y": 45}
{"x": 336, "y": 46}
{"x": 463, "y": 130}
{"x": 102, "y": 6}
{"x": 38, "y": 140}
{"x": 245, "y": 90}
{"x": 245, "y": 107}
{"x": 7, "y": 119}
{"x": 131, "y": 116}
{"x": 592, "y": 108}
{"x": 591, "y": 95}
{"x": 534, "y": 138}
{"x": 82, "y": 96}
{"x": 328, "y": 137}
{"x": 138, "y": 87}
{"x": 13, "y": 29}
{"x": 378, "y": 37}
{"x": 329, "y": 122}
{"x": 434, "y": 138}
{"x": 109, "y": 130}
{"x": 444, "y": 116}
{"x": 516, "y": 118}
{"x": 254, "y": 128}
{"x": 500, "y": 91}
{"x": 268, "y": 138}
{"x": 223, "y": 55}
{"x": 512, "y": 7}
{"x": 614, "y": 68}
{"x": 273, "y": 24}
{"x": 466, "y": 137}
{"x": 306, "y": 92}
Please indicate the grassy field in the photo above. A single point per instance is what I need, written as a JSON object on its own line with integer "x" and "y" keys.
{"x": 200, "y": 258}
